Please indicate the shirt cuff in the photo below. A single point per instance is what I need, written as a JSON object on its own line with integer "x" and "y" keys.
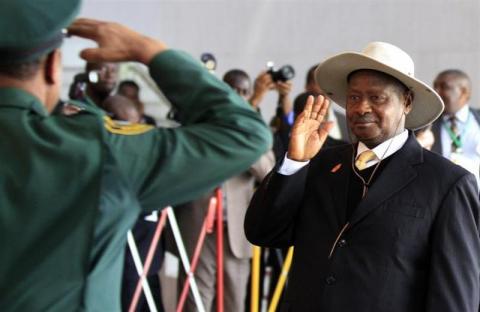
{"x": 290, "y": 166}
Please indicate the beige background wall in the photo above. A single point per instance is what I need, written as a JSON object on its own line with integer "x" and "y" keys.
{"x": 438, "y": 34}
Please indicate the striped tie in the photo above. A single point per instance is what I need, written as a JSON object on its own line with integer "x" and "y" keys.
{"x": 456, "y": 134}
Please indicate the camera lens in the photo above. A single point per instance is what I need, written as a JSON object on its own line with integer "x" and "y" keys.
{"x": 286, "y": 73}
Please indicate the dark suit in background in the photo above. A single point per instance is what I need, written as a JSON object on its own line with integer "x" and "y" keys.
{"x": 237, "y": 192}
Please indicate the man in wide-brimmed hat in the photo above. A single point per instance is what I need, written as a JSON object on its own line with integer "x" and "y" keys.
{"x": 380, "y": 224}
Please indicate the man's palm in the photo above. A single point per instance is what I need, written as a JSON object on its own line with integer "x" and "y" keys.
{"x": 309, "y": 131}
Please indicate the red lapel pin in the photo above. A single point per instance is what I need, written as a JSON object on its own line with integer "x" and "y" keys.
{"x": 336, "y": 168}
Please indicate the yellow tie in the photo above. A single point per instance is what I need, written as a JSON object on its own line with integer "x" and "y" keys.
{"x": 364, "y": 158}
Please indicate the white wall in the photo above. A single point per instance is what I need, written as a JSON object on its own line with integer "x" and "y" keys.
{"x": 438, "y": 34}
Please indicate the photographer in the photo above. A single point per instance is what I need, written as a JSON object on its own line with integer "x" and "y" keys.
{"x": 264, "y": 83}
{"x": 283, "y": 118}
{"x": 100, "y": 90}
{"x": 237, "y": 192}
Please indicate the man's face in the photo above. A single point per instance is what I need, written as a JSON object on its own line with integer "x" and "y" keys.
{"x": 375, "y": 108}
{"x": 129, "y": 113}
{"x": 129, "y": 92}
{"x": 122, "y": 108}
{"x": 242, "y": 87}
{"x": 107, "y": 77}
{"x": 453, "y": 90}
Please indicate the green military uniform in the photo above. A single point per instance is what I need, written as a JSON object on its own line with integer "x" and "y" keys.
{"x": 72, "y": 186}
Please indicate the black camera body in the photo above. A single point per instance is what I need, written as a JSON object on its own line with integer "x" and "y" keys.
{"x": 283, "y": 74}
{"x": 209, "y": 61}
{"x": 79, "y": 84}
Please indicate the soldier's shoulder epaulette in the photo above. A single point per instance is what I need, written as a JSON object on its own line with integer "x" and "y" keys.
{"x": 125, "y": 128}
{"x": 72, "y": 108}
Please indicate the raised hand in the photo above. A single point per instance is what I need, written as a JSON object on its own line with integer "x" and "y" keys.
{"x": 309, "y": 131}
{"x": 263, "y": 83}
{"x": 284, "y": 87}
{"x": 116, "y": 43}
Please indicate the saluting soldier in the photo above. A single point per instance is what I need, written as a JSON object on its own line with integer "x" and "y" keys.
{"x": 72, "y": 186}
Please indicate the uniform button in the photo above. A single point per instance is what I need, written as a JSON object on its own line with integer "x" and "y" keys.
{"x": 330, "y": 280}
{"x": 342, "y": 243}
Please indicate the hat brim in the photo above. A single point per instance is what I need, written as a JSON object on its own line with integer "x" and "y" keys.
{"x": 32, "y": 29}
{"x": 331, "y": 76}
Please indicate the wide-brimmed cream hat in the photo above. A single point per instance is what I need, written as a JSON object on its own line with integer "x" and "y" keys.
{"x": 331, "y": 76}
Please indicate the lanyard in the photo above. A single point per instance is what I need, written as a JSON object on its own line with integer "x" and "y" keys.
{"x": 456, "y": 139}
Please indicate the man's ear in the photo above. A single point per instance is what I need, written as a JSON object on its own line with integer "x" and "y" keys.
{"x": 465, "y": 93}
{"x": 408, "y": 102}
{"x": 52, "y": 67}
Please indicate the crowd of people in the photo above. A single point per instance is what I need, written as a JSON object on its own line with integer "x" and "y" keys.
{"x": 381, "y": 202}
{"x": 458, "y": 127}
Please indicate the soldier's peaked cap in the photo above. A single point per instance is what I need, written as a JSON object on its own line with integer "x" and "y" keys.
{"x": 32, "y": 28}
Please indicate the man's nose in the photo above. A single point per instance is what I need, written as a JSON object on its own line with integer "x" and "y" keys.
{"x": 109, "y": 73}
{"x": 364, "y": 106}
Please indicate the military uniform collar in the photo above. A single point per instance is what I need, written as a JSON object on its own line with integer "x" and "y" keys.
{"x": 14, "y": 97}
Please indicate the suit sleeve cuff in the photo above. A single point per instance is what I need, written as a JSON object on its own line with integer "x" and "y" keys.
{"x": 290, "y": 166}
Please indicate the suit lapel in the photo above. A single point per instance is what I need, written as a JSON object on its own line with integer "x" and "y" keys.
{"x": 476, "y": 115}
{"x": 340, "y": 179}
{"x": 436, "y": 130}
{"x": 395, "y": 176}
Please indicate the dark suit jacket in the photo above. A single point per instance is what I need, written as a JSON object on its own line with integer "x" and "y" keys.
{"x": 436, "y": 129}
{"x": 412, "y": 244}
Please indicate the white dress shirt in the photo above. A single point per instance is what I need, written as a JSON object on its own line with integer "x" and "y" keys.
{"x": 382, "y": 151}
{"x": 469, "y": 131}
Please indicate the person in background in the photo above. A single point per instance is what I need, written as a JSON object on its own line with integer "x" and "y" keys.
{"x": 237, "y": 192}
{"x": 121, "y": 108}
{"x": 98, "y": 91}
{"x": 91, "y": 91}
{"x": 457, "y": 132}
{"x": 283, "y": 119}
{"x": 131, "y": 90}
{"x": 241, "y": 83}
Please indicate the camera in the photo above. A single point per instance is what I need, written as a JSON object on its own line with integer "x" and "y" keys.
{"x": 79, "y": 84}
{"x": 209, "y": 61}
{"x": 284, "y": 73}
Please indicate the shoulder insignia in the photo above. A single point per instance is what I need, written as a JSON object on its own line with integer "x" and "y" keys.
{"x": 69, "y": 109}
{"x": 115, "y": 127}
